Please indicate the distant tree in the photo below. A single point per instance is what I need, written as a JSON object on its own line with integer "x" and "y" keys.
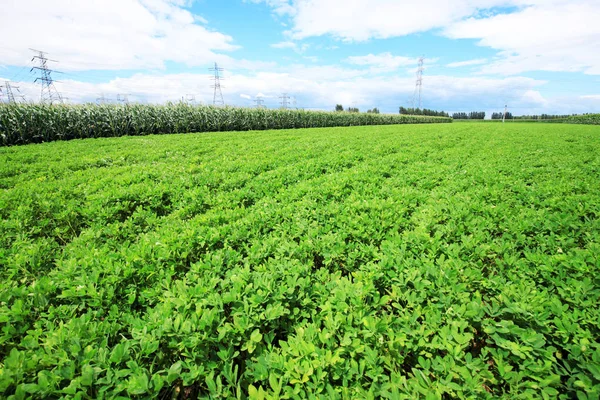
{"x": 500, "y": 114}
{"x": 339, "y": 107}
{"x": 373, "y": 111}
{"x": 353, "y": 109}
{"x": 471, "y": 115}
{"x": 425, "y": 111}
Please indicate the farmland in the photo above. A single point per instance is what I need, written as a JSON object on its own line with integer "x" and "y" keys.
{"x": 37, "y": 123}
{"x": 399, "y": 261}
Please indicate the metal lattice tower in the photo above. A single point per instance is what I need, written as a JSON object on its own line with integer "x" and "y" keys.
{"x": 8, "y": 88}
{"x": 284, "y": 100}
{"x": 259, "y": 102}
{"x": 49, "y": 93}
{"x": 102, "y": 99}
{"x": 419, "y": 84}
{"x": 218, "y": 95}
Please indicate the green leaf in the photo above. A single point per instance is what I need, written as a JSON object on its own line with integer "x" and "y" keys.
{"x": 256, "y": 336}
{"x": 137, "y": 384}
{"x": 174, "y": 372}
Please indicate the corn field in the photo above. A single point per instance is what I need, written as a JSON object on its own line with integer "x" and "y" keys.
{"x": 36, "y": 123}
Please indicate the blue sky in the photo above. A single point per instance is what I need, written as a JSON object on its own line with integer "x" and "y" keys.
{"x": 537, "y": 56}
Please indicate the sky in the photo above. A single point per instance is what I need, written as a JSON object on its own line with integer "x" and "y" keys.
{"x": 536, "y": 56}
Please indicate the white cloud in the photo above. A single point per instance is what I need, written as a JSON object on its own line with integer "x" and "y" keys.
{"x": 313, "y": 86}
{"x": 533, "y": 97}
{"x": 467, "y": 63}
{"x": 591, "y": 97}
{"x": 559, "y": 35}
{"x": 109, "y": 34}
{"x": 384, "y": 61}
{"x": 365, "y": 19}
{"x": 300, "y": 49}
{"x": 549, "y": 35}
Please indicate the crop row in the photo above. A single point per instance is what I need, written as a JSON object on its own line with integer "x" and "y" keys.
{"x": 395, "y": 262}
{"x": 588, "y": 119}
{"x": 35, "y": 123}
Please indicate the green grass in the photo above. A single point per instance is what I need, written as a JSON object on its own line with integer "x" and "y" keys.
{"x": 456, "y": 260}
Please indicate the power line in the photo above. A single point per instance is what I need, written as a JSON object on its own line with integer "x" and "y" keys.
{"x": 49, "y": 93}
{"x": 218, "y": 95}
{"x": 418, "y": 84}
{"x": 284, "y": 100}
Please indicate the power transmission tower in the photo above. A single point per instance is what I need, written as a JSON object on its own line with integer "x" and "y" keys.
{"x": 419, "y": 84}
{"x": 505, "y": 110}
{"x": 294, "y": 104}
{"x": 49, "y": 93}
{"x": 102, "y": 99}
{"x": 284, "y": 100}
{"x": 190, "y": 98}
{"x": 218, "y": 95}
{"x": 122, "y": 98}
{"x": 10, "y": 94}
{"x": 259, "y": 102}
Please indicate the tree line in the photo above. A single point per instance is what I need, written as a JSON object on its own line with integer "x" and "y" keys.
{"x": 425, "y": 111}
{"x": 542, "y": 116}
{"x": 471, "y": 115}
{"x": 498, "y": 115}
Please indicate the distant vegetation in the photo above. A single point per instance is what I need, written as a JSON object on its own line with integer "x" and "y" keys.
{"x": 590, "y": 119}
{"x": 542, "y": 116}
{"x": 499, "y": 115}
{"x": 34, "y": 123}
{"x": 471, "y": 115}
{"x": 424, "y": 111}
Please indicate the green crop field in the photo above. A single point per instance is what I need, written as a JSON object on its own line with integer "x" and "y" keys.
{"x": 401, "y": 261}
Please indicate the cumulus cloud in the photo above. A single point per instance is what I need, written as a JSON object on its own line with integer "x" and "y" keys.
{"x": 467, "y": 63}
{"x": 366, "y": 19}
{"x": 553, "y": 36}
{"x": 109, "y": 34}
{"x": 530, "y": 35}
{"x": 336, "y": 85}
{"x": 384, "y": 61}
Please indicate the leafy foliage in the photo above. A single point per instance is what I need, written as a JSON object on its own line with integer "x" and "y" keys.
{"x": 471, "y": 115}
{"x": 425, "y": 111}
{"x": 35, "y": 123}
{"x": 588, "y": 119}
{"x": 417, "y": 261}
